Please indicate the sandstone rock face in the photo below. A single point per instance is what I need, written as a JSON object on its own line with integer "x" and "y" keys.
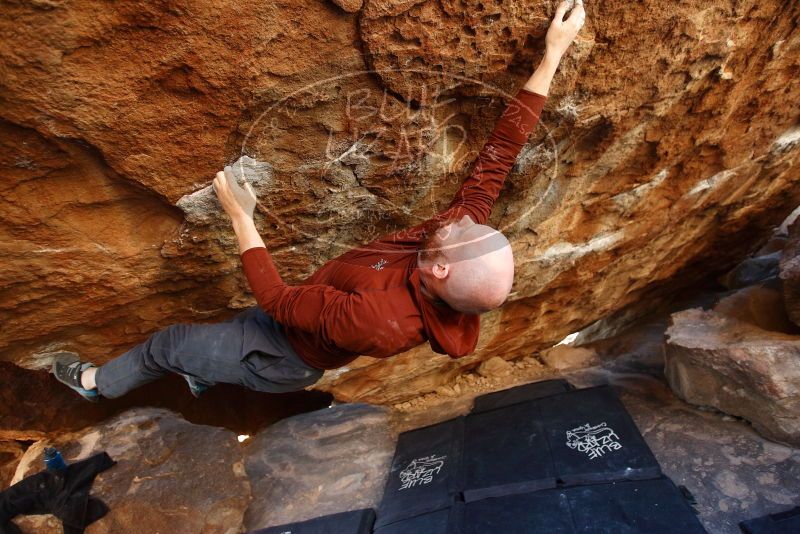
{"x": 171, "y": 476}
{"x": 323, "y": 462}
{"x": 663, "y": 153}
{"x": 351, "y": 6}
{"x": 790, "y": 274}
{"x": 563, "y": 357}
{"x": 495, "y": 366}
{"x": 759, "y": 306}
{"x": 737, "y": 367}
{"x": 753, "y": 270}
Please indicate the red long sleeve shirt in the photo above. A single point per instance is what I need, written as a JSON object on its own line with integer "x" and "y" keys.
{"x": 368, "y": 300}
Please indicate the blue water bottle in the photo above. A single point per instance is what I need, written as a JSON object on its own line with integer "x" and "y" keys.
{"x": 53, "y": 459}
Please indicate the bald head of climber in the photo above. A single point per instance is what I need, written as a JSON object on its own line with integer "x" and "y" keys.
{"x": 469, "y": 266}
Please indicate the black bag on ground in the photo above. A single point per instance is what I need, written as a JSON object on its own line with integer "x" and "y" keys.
{"x": 424, "y": 473}
{"x": 592, "y": 438}
{"x": 515, "y": 395}
{"x": 781, "y": 523}
{"x": 63, "y": 493}
{"x": 353, "y": 522}
{"x": 506, "y": 451}
{"x": 639, "y": 506}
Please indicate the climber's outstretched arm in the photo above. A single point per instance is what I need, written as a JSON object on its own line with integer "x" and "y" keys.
{"x": 559, "y": 36}
{"x": 482, "y": 186}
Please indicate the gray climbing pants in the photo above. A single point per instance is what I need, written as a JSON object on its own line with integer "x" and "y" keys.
{"x": 250, "y": 350}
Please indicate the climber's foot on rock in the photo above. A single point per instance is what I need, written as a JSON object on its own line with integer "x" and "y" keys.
{"x": 195, "y": 386}
{"x": 67, "y": 368}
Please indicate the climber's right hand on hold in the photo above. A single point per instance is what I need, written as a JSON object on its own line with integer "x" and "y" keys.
{"x": 562, "y": 32}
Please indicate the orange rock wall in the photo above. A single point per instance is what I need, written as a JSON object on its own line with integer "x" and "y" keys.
{"x": 667, "y": 150}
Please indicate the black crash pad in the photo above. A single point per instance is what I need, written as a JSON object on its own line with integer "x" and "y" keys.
{"x": 424, "y": 473}
{"x": 578, "y": 437}
{"x": 515, "y": 395}
{"x": 592, "y": 438}
{"x": 641, "y": 506}
{"x": 781, "y": 523}
{"x": 438, "y": 522}
{"x": 354, "y": 522}
{"x": 506, "y": 451}
{"x": 545, "y": 512}
{"x": 638, "y": 506}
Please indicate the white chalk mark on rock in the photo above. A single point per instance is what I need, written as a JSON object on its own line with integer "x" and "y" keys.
{"x": 713, "y": 182}
{"x": 568, "y": 339}
{"x": 601, "y": 242}
{"x": 787, "y": 140}
{"x": 631, "y": 197}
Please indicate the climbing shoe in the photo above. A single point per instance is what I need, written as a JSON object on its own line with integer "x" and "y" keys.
{"x": 67, "y": 369}
{"x": 195, "y": 386}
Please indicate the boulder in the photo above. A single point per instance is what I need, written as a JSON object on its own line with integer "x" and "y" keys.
{"x": 171, "y": 475}
{"x": 752, "y": 271}
{"x": 323, "y": 462}
{"x": 790, "y": 273}
{"x": 738, "y": 368}
{"x": 760, "y": 306}
{"x": 775, "y": 244}
{"x": 563, "y": 357}
{"x": 495, "y": 366}
{"x": 663, "y": 154}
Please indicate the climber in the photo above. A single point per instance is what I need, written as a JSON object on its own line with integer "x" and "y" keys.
{"x": 429, "y": 283}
